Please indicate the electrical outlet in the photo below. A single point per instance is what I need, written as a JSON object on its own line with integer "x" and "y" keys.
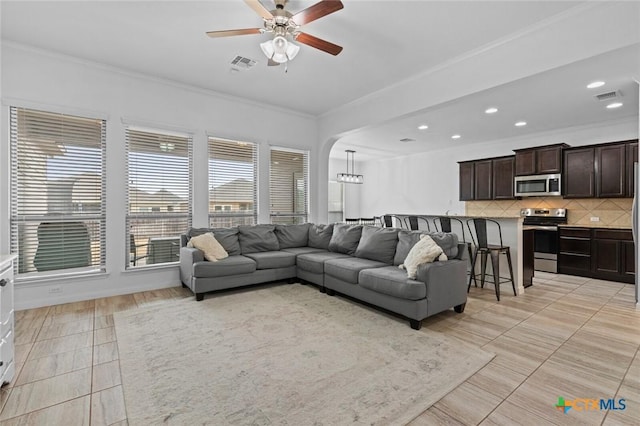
{"x": 56, "y": 289}
{"x": 595, "y": 219}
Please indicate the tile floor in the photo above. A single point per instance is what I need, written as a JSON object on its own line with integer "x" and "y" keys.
{"x": 567, "y": 336}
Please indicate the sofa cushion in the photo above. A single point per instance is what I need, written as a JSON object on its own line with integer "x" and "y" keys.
{"x": 345, "y": 238}
{"x": 257, "y": 238}
{"x": 232, "y": 265}
{"x": 211, "y": 248}
{"x": 320, "y": 236}
{"x": 407, "y": 239}
{"x": 227, "y": 237}
{"x": 424, "y": 251}
{"x": 314, "y": 262}
{"x": 378, "y": 244}
{"x": 272, "y": 259}
{"x": 292, "y": 235}
{"x": 303, "y": 250}
{"x": 347, "y": 269}
{"x": 392, "y": 281}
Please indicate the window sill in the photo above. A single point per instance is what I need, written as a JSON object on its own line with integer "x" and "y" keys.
{"x": 36, "y": 280}
{"x": 146, "y": 268}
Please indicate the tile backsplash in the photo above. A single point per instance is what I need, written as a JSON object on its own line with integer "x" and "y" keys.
{"x": 611, "y": 211}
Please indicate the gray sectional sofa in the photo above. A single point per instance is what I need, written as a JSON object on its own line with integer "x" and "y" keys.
{"x": 357, "y": 261}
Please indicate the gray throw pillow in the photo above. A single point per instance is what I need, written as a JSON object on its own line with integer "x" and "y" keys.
{"x": 290, "y": 236}
{"x": 448, "y": 241}
{"x": 345, "y": 238}
{"x": 257, "y": 238}
{"x": 320, "y": 236}
{"x": 378, "y": 244}
{"x": 227, "y": 237}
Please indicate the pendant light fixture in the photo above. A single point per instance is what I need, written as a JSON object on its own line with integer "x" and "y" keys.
{"x": 350, "y": 177}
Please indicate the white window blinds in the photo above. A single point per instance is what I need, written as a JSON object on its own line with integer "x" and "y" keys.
{"x": 159, "y": 195}
{"x": 289, "y": 186}
{"x": 233, "y": 170}
{"x": 57, "y": 192}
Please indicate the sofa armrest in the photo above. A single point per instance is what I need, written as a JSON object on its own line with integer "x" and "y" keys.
{"x": 446, "y": 283}
{"x": 189, "y": 256}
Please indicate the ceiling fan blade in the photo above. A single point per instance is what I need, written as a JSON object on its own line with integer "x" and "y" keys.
{"x": 272, "y": 63}
{"x": 316, "y": 11}
{"x": 319, "y": 43}
{"x": 228, "y": 33}
{"x": 259, "y": 8}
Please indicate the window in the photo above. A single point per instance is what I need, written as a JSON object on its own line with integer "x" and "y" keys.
{"x": 57, "y": 192}
{"x": 233, "y": 168}
{"x": 288, "y": 186}
{"x": 159, "y": 195}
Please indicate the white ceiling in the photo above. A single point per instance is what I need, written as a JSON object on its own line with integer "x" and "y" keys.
{"x": 384, "y": 42}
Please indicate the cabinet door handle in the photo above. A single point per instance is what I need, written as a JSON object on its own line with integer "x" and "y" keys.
{"x": 3, "y": 282}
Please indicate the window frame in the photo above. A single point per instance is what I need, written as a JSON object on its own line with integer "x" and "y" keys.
{"x": 279, "y": 216}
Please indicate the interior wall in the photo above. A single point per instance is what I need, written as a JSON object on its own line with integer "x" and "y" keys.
{"x": 36, "y": 79}
{"x": 352, "y": 193}
{"x": 427, "y": 183}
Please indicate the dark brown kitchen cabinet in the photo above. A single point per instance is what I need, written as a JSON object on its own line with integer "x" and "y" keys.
{"x": 613, "y": 255}
{"x": 574, "y": 257}
{"x": 467, "y": 180}
{"x": 540, "y": 160}
{"x": 579, "y": 173}
{"x": 611, "y": 171}
{"x": 632, "y": 157}
{"x": 483, "y": 177}
{"x": 503, "y": 174}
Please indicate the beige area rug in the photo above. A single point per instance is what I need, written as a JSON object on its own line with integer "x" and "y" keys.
{"x": 283, "y": 355}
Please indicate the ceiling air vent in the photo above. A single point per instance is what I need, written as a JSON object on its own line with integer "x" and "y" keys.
{"x": 242, "y": 63}
{"x": 405, "y": 140}
{"x": 608, "y": 96}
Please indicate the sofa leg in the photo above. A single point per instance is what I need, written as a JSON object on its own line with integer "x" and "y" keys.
{"x": 322, "y": 289}
{"x": 184, "y": 285}
{"x": 415, "y": 324}
{"x": 330, "y": 292}
{"x": 199, "y": 297}
{"x": 459, "y": 308}
{"x": 291, "y": 281}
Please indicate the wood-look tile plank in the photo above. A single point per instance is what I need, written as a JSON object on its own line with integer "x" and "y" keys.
{"x": 153, "y": 297}
{"x": 109, "y": 305}
{"x": 45, "y": 393}
{"x": 107, "y": 407}
{"x": 468, "y": 403}
{"x": 496, "y": 379}
{"x": 105, "y": 376}
{"x": 511, "y": 414}
{"x": 64, "y": 317}
{"x": 103, "y": 321}
{"x": 25, "y": 335}
{"x": 50, "y": 366}
{"x": 105, "y": 353}
{"x": 26, "y": 314}
{"x": 72, "y": 307}
{"x": 61, "y": 344}
{"x": 73, "y": 412}
{"x": 104, "y": 335}
{"x": 434, "y": 416}
{"x": 65, "y": 329}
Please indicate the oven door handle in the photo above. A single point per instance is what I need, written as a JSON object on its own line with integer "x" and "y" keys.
{"x": 540, "y": 228}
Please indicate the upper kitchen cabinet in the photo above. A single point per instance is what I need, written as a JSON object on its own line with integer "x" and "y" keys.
{"x": 541, "y": 160}
{"x": 467, "y": 180}
{"x": 483, "y": 180}
{"x": 632, "y": 157}
{"x": 579, "y": 173}
{"x": 503, "y": 174}
{"x": 611, "y": 171}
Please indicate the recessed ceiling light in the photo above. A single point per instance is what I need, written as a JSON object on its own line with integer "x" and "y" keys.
{"x": 595, "y": 84}
{"x": 520, "y": 123}
{"x": 491, "y": 110}
{"x": 423, "y": 127}
{"x": 456, "y": 137}
{"x": 614, "y": 105}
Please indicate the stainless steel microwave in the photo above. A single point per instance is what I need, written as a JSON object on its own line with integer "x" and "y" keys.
{"x": 538, "y": 185}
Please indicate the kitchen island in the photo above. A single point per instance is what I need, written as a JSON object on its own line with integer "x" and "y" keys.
{"x": 512, "y": 236}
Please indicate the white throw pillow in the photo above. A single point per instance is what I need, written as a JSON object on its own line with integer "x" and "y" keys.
{"x": 425, "y": 251}
{"x": 212, "y": 249}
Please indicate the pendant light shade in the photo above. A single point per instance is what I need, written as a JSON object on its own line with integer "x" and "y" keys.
{"x": 350, "y": 177}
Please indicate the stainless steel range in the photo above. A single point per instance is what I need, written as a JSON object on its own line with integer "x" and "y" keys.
{"x": 545, "y": 223}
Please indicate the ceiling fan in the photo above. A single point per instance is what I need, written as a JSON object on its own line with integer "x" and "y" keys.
{"x": 285, "y": 27}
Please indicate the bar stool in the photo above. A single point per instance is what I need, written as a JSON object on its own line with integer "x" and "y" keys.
{"x": 485, "y": 249}
{"x": 411, "y": 222}
{"x": 355, "y": 220}
{"x": 367, "y": 221}
{"x": 388, "y": 220}
{"x": 444, "y": 223}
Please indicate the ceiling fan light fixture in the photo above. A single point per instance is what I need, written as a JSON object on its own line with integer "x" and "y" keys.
{"x": 279, "y": 49}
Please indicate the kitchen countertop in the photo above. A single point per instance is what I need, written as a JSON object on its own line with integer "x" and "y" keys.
{"x": 461, "y": 216}
{"x": 596, "y": 225}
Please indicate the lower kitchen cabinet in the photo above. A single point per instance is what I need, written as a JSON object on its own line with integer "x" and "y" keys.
{"x": 601, "y": 253}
